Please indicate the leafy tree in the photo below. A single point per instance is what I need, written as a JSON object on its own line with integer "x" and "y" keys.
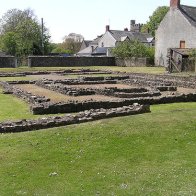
{"x": 71, "y": 45}
{"x": 61, "y": 50}
{"x": 133, "y": 48}
{"x": 8, "y": 43}
{"x": 155, "y": 20}
{"x": 21, "y": 33}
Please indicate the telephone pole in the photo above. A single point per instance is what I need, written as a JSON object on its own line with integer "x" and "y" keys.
{"x": 42, "y": 22}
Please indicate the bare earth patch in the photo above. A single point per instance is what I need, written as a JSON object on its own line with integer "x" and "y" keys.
{"x": 47, "y": 76}
{"x": 102, "y": 86}
{"x": 58, "y": 97}
{"x": 186, "y": 90}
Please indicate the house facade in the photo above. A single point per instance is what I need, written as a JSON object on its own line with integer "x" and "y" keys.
{"x": 111, "y": 38}
{"x": 177, "y": 30}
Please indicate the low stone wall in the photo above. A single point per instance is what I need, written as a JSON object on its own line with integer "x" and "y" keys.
{"x": 161, "y": 80}
{"x": 28, "y": 97}
{"x": 29, "y": 125}
{"x": 55, "y": 108}
{"x": 133, "y": 95}
{"x": 53, "y": 61}
{"x": 8, "y": 62}
{"x": 42, "y": 105}
{"x": 133, "y": 62}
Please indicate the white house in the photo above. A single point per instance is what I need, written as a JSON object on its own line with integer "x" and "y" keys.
{"x": 111, "y": 38}
{"x": 177, "y": 30}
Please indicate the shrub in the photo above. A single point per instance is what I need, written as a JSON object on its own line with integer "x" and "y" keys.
{"x": 133, "y": 48}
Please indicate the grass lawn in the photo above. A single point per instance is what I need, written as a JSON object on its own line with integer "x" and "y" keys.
{"x": 13, "y": 108}
{"x": 14, "y": 78}
{"x": 148, "y": 154}
{"x": 26, "y": 68}
{"x": 152, "y": 70}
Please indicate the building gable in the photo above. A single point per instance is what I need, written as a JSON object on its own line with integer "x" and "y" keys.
{"x": 107, "y": 40}
{"x": 175, "y": 30}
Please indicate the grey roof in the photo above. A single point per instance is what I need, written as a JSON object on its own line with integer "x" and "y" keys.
{"x": 190, "y": 13}
{"x": 101, "y": 50}
{"x": 87, "y": 42}
{"x": 96, "y": 41}
{"x": 142, "y": 37}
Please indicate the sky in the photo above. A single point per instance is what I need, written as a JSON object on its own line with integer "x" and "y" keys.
{"x": 87, "y": 17}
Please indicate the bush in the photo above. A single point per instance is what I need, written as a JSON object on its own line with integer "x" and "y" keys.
{"x": 133, "y": 48}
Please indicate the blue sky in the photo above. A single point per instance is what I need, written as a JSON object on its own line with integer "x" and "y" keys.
{"x": 87, "y": 17}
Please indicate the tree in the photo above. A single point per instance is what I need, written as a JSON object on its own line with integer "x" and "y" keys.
{"x": 72, "y": 45}
{"x": 157, "y": 16}
{"x": 8, "y": 43}
{"x": 69, "y": 45}
{"x": 21, "y": 33}
{"x": 133, "y": 48}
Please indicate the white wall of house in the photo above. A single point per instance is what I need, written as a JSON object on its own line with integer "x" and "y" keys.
{"x": 174, "y": 28}
{"x": 107, "y": 40}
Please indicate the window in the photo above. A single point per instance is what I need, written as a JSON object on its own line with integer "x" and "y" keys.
{"x": 102, "y": 44}
{"x": 182, "y": 44}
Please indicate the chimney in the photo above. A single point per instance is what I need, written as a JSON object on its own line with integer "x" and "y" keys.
{"x": 125, "y": 29}
{"x": 107, "y": 28}
{"x": 132, "y": 25}
{"x": 132, "y": 22}
{"x": 92, "y": 49}
{"x": 174, "y": 3}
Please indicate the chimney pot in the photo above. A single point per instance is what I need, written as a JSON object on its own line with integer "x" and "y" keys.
{"x": 174, "y": 3}
{"x": 107, "y": 27}
{"x": 132, "y": 22}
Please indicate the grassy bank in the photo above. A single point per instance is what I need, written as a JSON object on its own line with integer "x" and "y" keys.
{"x": 148, "y": 154}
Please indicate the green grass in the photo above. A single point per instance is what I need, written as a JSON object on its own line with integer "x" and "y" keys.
{"x": 153, "y": 70}
{"x": 14, "y": 78}
{"x": 148, "y": 154}
{"x": 13, "y": 108}
{"x": 25, "y": 68}
{"x": 150, "y": 70}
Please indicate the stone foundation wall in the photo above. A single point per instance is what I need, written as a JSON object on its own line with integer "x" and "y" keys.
{"x": 133, "y": 62}
{"x": 161, "y": 80}
{"x": 42, "y": 105}
{"x": 8, "y": 62}
{"x": 53, "y": 61}
{"x": 55, "y": 108}
{"x": 29, "y": 125}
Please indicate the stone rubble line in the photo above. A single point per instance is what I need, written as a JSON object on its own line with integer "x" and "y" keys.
{"x": 60, "y": 72}
{"x": 160, "y": 80}
{"x": 52, "y": 108}
{"x": 81, "y": 117}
